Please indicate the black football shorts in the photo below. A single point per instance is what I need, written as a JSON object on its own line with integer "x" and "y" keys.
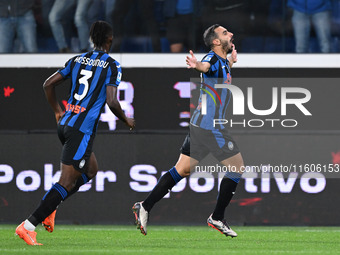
{"x": 77, "y": 147}
{"x": 200, "y": 142}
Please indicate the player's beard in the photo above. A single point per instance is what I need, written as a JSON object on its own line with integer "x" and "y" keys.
{"x": 227, "y": 46}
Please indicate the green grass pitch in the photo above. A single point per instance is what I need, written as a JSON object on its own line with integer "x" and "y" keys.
{"x": 94, "y": 239}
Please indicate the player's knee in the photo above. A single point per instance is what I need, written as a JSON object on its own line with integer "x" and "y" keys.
{"x": 184, "y": 172}
{"x": 68, "y": 185}
{"x": 91, "y": 174}
{"x": 241, "y": 167}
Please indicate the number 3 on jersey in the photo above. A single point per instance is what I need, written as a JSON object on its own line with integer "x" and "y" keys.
{"x": 85, "y": 81}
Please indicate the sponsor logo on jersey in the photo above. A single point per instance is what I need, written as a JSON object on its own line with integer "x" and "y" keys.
{"x": 231, "y": 146}
{"x": 75, "y": 108}
{"x": 82, "y": 163}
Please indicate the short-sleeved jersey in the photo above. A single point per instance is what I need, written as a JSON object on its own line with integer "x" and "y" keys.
{"x": 217, "y": 98}
{"x": 90, "y": 73}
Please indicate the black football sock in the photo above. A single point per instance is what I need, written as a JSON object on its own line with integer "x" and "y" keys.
{"x": 48, "y": 204}
{"x": 81, "y": 181}
{"x": 227, "y": 190}
{"x": 164, "y": 185}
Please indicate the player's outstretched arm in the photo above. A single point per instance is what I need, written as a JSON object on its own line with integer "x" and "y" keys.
{"x": 49, "y": 89}
{"x": 192, "y": 62}
{"x": 113, "y": 103}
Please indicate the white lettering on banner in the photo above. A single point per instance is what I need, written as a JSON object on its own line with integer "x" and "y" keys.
{"x": 6, "y": 173}
{"x": 209, "y": 182}
{"x": 184, "y": 89}
{"x": 318, "y": 187}
{"x": 87, "y": 186}
{"x": 137, "y": 176}
{"x": 144, "y": 177}
{"x": 126, "y": 104}
{"x": 50, "y": 179}
{"x": 100, "y": 179}
{"x": 284, "y": 186}
{"x": 30, "y": 180}
{"x": 249, "y": 184}
{"x": 28, "y": 174}
{"x": 265, "y": 182}
{"x": 127, "y": 89}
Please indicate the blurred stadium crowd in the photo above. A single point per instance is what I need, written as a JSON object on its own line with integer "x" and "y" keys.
{"x": 146, "y": 26}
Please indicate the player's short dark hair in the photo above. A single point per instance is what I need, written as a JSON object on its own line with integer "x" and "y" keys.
{"x": 99, "y": 32}
{"x": 209, "y": 35}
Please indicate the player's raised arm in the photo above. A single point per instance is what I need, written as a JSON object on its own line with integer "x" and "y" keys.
{"x": 192, "y": 62}
{"x": 233, "y": 56}
{"x": 114, "y": 105}
{"x": 49, "y": 89}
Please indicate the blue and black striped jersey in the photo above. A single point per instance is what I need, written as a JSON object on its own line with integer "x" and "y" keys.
{"x": 217, "y": 99}
{"x": 90, "y": 73}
